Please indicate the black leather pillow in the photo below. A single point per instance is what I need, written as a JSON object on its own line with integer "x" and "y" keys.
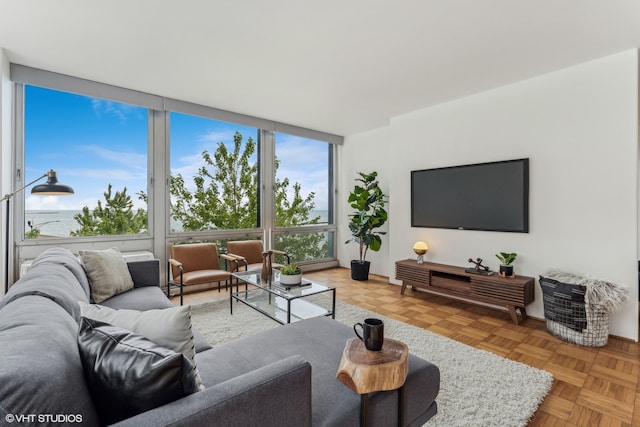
{"x": 127, "y": 374}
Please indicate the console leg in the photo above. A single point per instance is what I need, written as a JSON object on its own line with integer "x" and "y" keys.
{"x": 513, "y": 313}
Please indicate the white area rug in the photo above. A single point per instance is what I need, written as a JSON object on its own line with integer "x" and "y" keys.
{"x": 477, "y": 388}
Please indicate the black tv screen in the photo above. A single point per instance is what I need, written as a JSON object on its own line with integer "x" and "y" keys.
{"x": 485, "y": 196}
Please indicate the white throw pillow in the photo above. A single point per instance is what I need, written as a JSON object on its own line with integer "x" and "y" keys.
{"x": 107, "y": 272}
{"x": 167, "y": 327}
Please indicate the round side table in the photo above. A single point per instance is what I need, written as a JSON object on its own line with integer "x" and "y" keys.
{"x": 365, "y": 371}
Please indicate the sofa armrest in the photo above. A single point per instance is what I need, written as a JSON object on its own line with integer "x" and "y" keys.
{"x": 275, "y": 395}
{"x": 145, "y": 272}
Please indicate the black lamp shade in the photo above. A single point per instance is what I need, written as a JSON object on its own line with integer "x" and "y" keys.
{"x": 52, "y": 187}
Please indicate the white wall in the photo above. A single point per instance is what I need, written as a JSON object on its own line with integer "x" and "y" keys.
{"x": 365, "y": 152}
{"x": 578, "y": 127}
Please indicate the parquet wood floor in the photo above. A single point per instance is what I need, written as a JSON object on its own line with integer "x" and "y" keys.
{"x": 592, "y": 386}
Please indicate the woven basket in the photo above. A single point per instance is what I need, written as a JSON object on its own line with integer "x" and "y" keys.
{"x": 576, "y": 309}
{"x": 596, "y": 322}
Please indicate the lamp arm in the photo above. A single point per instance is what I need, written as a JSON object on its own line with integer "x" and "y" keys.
{"x": 10, "y": 195}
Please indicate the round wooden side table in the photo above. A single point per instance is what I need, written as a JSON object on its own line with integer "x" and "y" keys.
{"x": 365, "y": 371}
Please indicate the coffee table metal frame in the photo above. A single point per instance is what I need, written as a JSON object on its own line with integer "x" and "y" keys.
{"x": 280, "y": 303}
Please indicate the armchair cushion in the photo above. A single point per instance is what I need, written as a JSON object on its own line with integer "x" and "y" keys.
{"x": 204, "y": 276}
{"x": 251, "y": 250}
{"x": 195, "y": 264}
{"x": 195, "y": 257}
{"x": 251, "y": 253}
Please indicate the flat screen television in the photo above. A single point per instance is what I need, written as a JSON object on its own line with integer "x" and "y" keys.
{"x": 485, "y": 196}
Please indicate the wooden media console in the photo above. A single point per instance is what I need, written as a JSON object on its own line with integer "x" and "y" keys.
{"x": 511, "y": 292}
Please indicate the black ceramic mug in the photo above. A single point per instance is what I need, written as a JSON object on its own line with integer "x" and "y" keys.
{"x": 372, "y": 333}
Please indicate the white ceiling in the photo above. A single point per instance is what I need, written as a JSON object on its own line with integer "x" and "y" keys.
{"x": 339, "y": 66}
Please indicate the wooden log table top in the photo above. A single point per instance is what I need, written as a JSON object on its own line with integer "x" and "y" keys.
{"x": 365, "y": 371}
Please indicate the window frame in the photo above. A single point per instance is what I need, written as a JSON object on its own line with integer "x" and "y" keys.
{"x": 266, "y": 157}
{"x": 158, "y": 235}
{"x": 20, "y": 165}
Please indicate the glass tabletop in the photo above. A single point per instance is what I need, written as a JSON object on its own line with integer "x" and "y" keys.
{"x": 308, "y": 287}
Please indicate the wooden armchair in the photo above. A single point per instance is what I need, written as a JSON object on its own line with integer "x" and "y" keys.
{"x": 196, "y": 265}
{"x": 248, "y": 254}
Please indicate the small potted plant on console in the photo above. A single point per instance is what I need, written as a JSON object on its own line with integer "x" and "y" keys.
{"x": 290, "y": 274}
{"x": 506, "y": 258}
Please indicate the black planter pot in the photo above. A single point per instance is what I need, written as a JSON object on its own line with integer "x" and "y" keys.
{"x": 360, "y": 270}
{"x": 506, "y": 270}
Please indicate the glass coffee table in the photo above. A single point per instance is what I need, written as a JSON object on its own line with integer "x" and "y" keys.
{"x": 284, "y": 304}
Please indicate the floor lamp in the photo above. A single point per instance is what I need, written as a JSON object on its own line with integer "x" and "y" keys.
{"x": 51, "y": 188}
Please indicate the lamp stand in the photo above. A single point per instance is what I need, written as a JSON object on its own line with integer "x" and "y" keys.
{"x": 6, "y": 248}
{"x": 51, "y": 188}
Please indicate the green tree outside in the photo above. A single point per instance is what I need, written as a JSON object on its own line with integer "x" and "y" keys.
{"x": 225, "y": 198}
{"x": 116, "y": 216}
{"x": 226, "y": 195}
{"x": 34, "y": 233}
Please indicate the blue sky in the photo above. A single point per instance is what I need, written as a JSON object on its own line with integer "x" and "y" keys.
{"x": 91, "y": 143}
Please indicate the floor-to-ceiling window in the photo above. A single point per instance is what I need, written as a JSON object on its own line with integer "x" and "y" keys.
{"x": 303, "y": 198}
{"x": 214, "y": 180}
{"x": 150, "y": 171}
{"x": 233, "y": 181}
{"x": 99, "y": 148}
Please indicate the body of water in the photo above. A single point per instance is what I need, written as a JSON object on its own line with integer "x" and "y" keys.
{"x": 51, "y": 223}
{"x": 61, "y": 223}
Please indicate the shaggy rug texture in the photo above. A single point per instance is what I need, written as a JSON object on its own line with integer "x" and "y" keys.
{"x": 477, "y": 388}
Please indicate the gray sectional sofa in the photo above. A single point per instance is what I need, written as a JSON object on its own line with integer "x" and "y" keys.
{"x": 282, "y": 377}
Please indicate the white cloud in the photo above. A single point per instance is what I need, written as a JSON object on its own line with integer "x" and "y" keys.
{"x": 216, "y": 136}
{"x": 112, "y": 175}
{"x": 46, "y": 203}
{"x": 123, "y": 157}
{"x": 306, "y": 162}
{"x": 122, "y": 111}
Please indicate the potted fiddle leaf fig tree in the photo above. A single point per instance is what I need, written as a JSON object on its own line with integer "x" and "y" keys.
{"x": 368, "y": 200}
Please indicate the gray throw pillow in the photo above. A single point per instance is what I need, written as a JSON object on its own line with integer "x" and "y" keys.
{"x": 107, "y": 273}
{"x": 128, "y": 374}
{"x": 167, "y": 327}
